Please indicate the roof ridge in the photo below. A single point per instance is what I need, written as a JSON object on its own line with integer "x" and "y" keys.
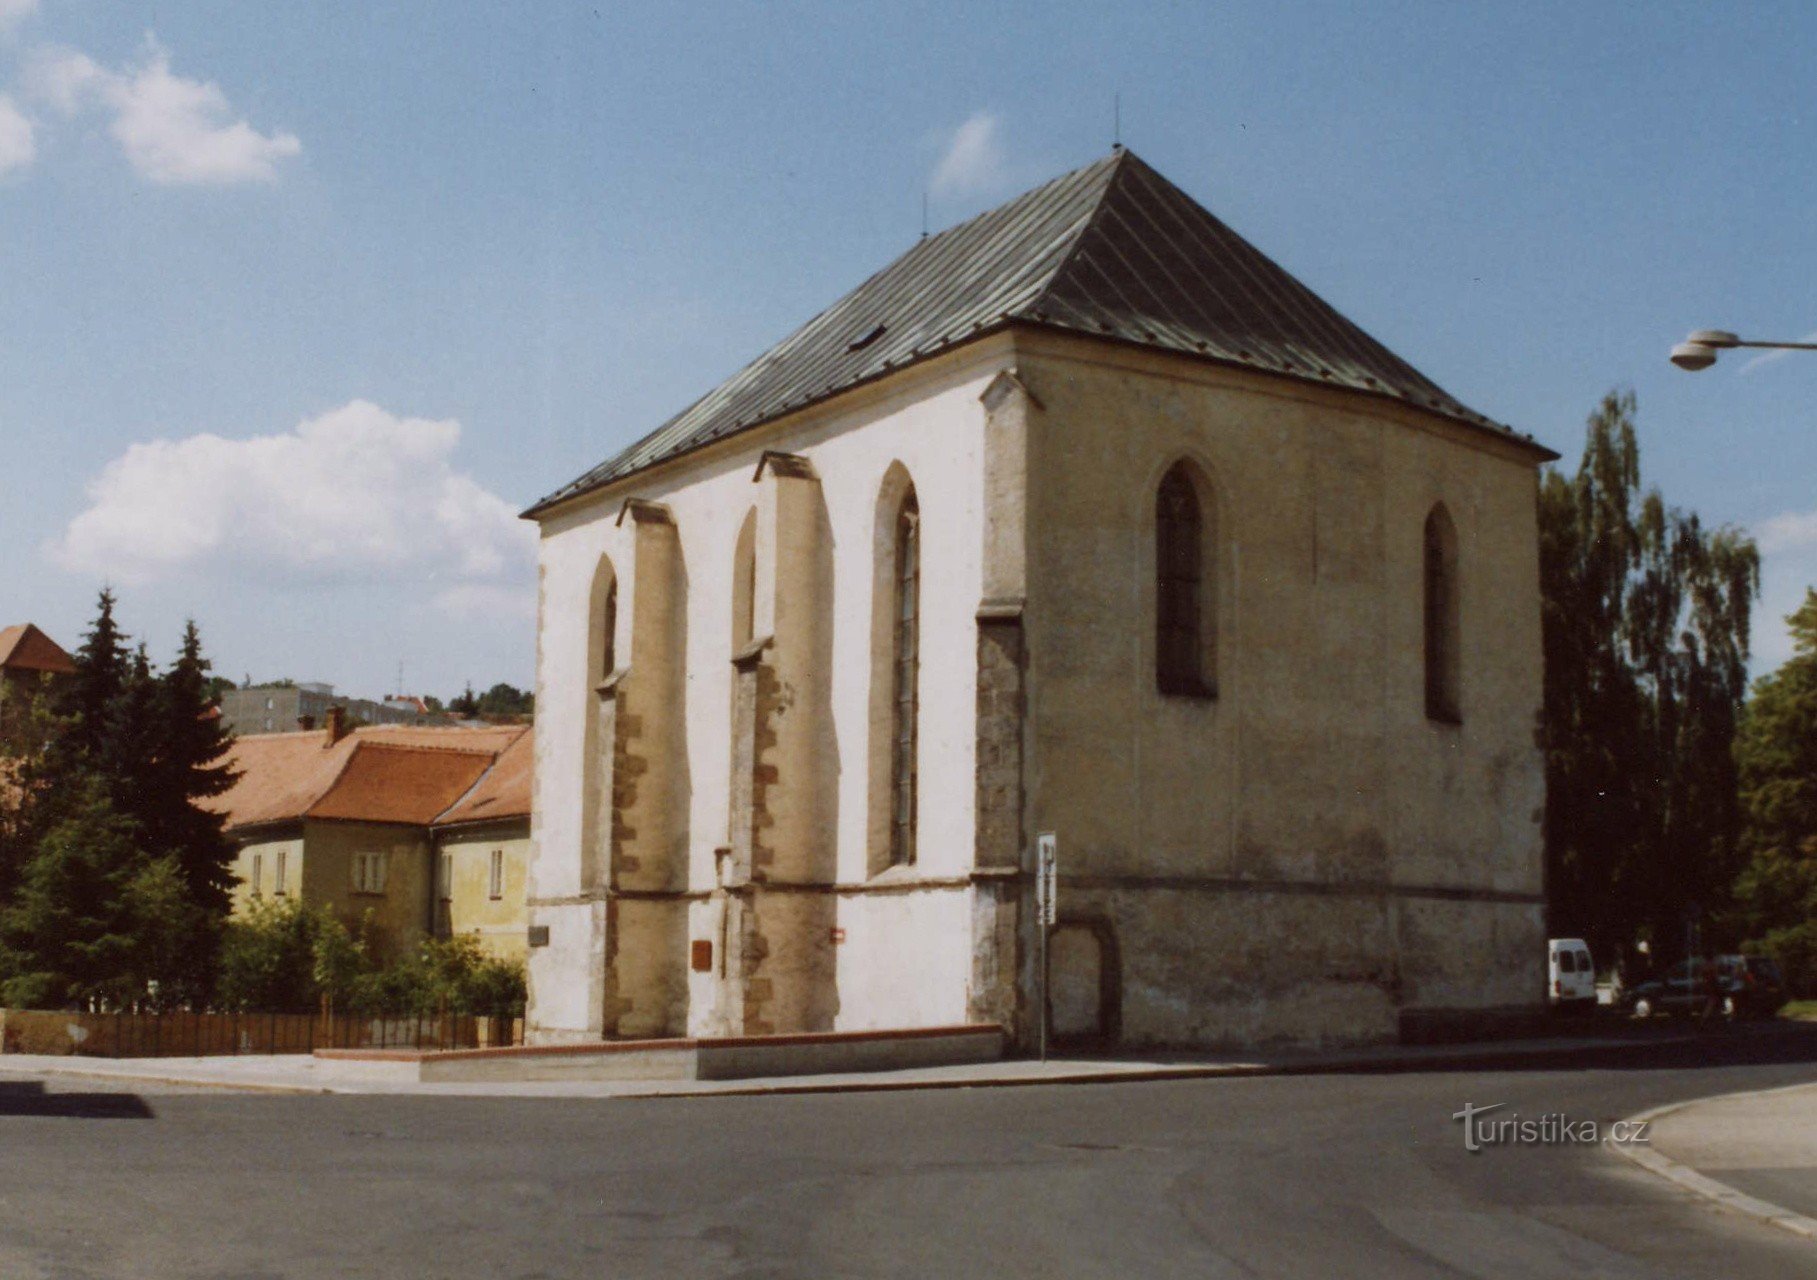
{"x": 1119, "y": 157}
{"x": 426, "y": 748}
{"x": 1112, "y": 250}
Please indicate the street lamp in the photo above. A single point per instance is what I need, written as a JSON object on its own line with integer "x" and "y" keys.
{"x": 1698, "y": 351}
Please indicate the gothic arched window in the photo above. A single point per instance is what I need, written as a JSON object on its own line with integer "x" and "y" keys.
{"x": 608, "y": 632}
{"x": 904, "y": 688}
{"x": 1185, "y": 581}
{"x": 1439, "y": 571}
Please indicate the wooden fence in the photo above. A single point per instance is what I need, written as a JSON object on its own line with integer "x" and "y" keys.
{"x": 195, "y": 1035}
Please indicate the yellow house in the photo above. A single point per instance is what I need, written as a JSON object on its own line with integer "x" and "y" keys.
{"x": 347, "y": 819}
{"x": 482, "y": 847}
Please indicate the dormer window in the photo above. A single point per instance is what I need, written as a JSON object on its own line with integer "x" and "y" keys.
{"x": 860, "y": 343}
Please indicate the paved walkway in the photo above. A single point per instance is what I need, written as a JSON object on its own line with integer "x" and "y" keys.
{"x": 298, "y": 1073}
{"x": 1755, "y": 1153}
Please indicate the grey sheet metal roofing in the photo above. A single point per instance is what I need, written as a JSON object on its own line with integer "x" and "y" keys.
{"x": 1113, "y": 250}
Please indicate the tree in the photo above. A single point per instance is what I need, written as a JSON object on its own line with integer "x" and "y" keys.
{"x": 286, "y": 956}
{"x": 1645, "y": 622}
{"x": 126, "y": 752}
{"x": 503, "y": 700}
{"x": 1776, "y": 755}
{"x": 465, "y": 704}
{"x": 89, "y": 695}
{"x": 93, "y": 917}
{"x": 192, "y": 768}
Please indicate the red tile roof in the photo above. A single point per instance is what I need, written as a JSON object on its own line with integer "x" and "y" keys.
{"x": 503, "y": 791}
{"x": 25, "y": 648}
{"x": 384, "y": 773}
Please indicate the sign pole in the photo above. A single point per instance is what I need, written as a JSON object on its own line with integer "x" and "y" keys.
{"x": 1047, "y": 858}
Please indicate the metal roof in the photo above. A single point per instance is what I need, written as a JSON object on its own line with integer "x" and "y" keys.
{"x": 1113, "y": 250}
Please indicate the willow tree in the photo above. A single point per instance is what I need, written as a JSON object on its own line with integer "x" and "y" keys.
{"x": 1646, "y": 619}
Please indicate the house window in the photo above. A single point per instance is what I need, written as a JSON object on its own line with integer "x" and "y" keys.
{"x": 1443, "y": 660}
{"x": 258, "y": 873}
{"x": 280, "y": 870}
{"x": 446, "y": 873}
{"x": 369, "y": 872}
{"x": 1184, "y": 616}
{"x": 495, "y": 881}
{"x": 905, "y": 707}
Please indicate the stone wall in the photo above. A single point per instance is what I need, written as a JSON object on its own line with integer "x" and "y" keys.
{"x": 1305, "y": 855}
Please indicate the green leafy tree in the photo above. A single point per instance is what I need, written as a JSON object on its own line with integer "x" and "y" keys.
{"x": 465, "y": 704}
{"x": 1776, "y": 753}
{"x": 1646, "y": 628}
{"x": 285, "y": 956}
{"x": 503, "y": 700}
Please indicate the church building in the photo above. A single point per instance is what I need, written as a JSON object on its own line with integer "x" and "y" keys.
{"x": 1081, "y": 517}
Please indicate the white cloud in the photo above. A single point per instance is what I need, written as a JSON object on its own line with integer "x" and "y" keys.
{"x": 1789, "y": 531}
{"x": 354, "y": 495}
{"x": 13, "y": 12}
{"x": 18, "y": 143}
{"x": 1768, "y": 357}
{"x": 973, "y": 162}
{"x": 172, "y": 130}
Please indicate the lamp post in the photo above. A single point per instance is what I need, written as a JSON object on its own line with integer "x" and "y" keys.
{"x": 1698, "y": 351}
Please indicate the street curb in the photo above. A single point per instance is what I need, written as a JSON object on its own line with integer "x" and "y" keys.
{"x": 139, "y": 1077}
{"x": 1703, "y": 1185}
{"x": 1485, "y": 1058}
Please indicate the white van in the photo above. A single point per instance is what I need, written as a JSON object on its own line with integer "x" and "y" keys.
{"x": 1570, "y": 976}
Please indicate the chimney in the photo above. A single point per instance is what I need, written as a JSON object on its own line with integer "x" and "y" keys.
{"x": 337, "y": 724}
{"x": 305, "y": 723}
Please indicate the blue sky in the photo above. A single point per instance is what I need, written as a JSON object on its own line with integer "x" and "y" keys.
{"x": 302, "y": 302}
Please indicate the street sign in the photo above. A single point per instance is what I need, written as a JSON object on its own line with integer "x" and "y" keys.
{"x": 1047, "y": 877}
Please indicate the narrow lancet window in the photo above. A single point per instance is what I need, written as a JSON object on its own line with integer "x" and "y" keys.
{"x": 1443, "y": 701}
{"x": 1182, "y": 616}
{"x": 905, "y": 684}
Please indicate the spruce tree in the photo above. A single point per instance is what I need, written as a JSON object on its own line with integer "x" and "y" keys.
{"x": 88, "y": 696}
{"x": 192, "y": 768}
{"x": 69, "y": 932}
{"x": 128, "y": 754}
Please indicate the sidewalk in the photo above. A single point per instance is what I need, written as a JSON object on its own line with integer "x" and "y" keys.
{"x": 297, "y": 1073}
{"x": 1755, "y": 1153}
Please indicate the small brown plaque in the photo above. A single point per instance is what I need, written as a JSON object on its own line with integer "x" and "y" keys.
{"x": 700, "y": 956}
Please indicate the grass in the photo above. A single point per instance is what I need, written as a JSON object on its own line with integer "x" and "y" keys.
{"x": 1803, "y": 1010}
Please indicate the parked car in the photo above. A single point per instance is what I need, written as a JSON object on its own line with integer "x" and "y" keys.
{"x": 1753, "y": 986}
{"x": 1740, "y": 987}
{"x": 1570, "y": 974}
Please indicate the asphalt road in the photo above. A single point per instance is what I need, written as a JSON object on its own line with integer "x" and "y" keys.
{"x": 1351, "y": 1176}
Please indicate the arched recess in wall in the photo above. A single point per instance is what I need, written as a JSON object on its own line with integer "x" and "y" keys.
{"x": 602, "y": 661}
{"x": 896, "y": 576}
{"x": 744, "y": 582}
{"x": 1443, "y": 656}
{"x": 1188, "y": 577}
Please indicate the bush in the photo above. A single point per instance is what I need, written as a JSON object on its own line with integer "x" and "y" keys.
{"x": 1795, "y": 951}
{"x": 444, "y": 974}
{"x": 284, "y": 957}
